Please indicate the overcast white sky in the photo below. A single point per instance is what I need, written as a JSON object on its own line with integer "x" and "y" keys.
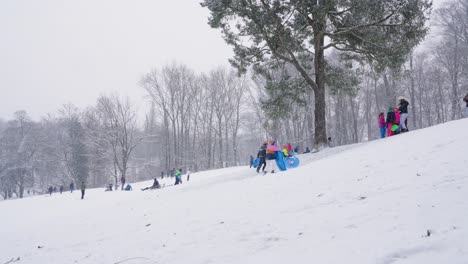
{"x": 57, "y": 51}
{"x": 54, "y": 52}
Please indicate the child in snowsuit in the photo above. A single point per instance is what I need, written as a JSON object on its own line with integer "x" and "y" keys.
{"x": 390, "y": 121}
{"x": 261, "y": 155}
{"x": 382, "y": 124}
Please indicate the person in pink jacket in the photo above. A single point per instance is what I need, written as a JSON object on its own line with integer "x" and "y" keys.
{"x": 397, "y": 119}
{"x": 271, "y": 156}
{"x": 382, "y": 124}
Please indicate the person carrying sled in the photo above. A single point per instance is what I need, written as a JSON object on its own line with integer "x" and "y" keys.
{"x": 382, "y": 124}
{"x": 271, "y": 156}
{"x": 403, "y": 107}
{"x": 261, "y": 155}
{"x": 390, "y": 121}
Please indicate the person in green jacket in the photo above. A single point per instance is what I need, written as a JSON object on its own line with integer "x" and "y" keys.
{"x": 178, "y": 177}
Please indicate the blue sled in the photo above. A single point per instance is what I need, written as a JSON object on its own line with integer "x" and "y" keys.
{"x": 292, "y": 162}
{"x": 280, "y": 161}
{"x": 256, "y": 162}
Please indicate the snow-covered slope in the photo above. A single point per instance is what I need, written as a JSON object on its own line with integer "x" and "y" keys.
{"x": 398, "y": 200}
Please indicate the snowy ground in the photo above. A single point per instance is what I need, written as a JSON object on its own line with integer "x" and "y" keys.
{"x": 374, "y": 202}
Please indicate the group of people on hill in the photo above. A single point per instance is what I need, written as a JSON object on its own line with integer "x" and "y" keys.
{"x": 267, "y": 156}
{"x": 397, "y": 118}
{"x": 71, "y": 188}
{"x": 396, "y": 121}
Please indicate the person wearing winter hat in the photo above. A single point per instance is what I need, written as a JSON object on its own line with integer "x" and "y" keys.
{"x": 390, "y": 121}
{"x": 403, "y": 107}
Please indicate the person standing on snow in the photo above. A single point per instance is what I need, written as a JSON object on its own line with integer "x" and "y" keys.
{"x": 51, "y": 190}
{"x": 382, "y": 125}
{"x": 390, "y": 121}
{"x": 188, "y": 174}
{"x": 72, "y": 187}
{"x": 83, "y": 188}
{"x": 465, "y": 111}
{"x": 397, "y": 120}
{"x": 122, "y": 181}
{"x": 271, "y": 156}
{"x": 61, "y": 188}
{"x": 261, "y": 155}
{"x": 403, "y": 107}
{"x": 178, "y": 176}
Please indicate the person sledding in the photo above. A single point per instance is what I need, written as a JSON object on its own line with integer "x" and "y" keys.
{"x": 155, "y": 185}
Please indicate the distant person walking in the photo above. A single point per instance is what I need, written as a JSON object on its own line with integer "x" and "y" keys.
{"x": 403, "y": 107}
{"x": 83, "y": 189}
{"x": 188, "y": 175}
{"x": 122, "y": 181}
{"x": 51, "y": 189}
{"x": 382, "y": 125}
{"x": 72, "y": 187}
{"x": 61, "y": 188}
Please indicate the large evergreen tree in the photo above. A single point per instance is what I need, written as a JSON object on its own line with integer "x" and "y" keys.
{"x": 299, "y": 31}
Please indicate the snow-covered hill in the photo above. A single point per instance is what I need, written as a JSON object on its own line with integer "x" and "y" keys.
{"x": 398, "y": 200}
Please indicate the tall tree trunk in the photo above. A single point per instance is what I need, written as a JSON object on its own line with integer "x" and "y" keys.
{"x": 319, "y": 91}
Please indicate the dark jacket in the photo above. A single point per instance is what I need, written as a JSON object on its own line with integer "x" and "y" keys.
{"x": 262, "y": 152}
{"x": 403, "y": 107}
{"x": 390, "y": 117}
